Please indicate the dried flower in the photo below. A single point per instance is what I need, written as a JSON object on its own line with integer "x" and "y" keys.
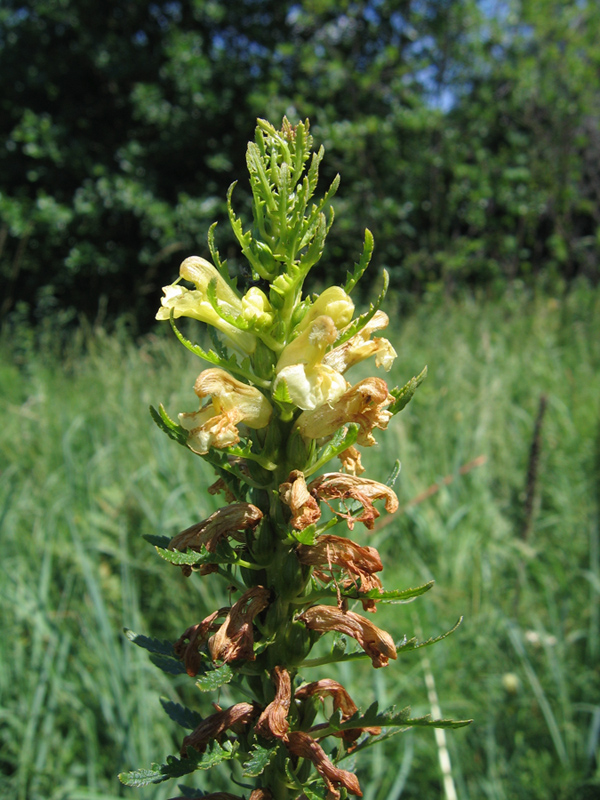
{"x": 337, "y": 486}
{"x": 305, "y": 509}
{"x": 303, "y": 745}
{"x": 214, "y": 726}
{"x": 378, "y": 644}
{"x": 351, "y": 462}
{"x": 357, "y": 561}
{"x": 196, "y": 636}
{"x": 225, "y": 521}
{"x": 361, "y": 346}
{"x": 215, "y": 425}
{"x": 235, "y": 637}
{"x": 273, "y": 722}
{"x": 364, "y": 403}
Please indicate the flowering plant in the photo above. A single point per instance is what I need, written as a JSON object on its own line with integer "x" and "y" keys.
{"x": 275, "y": 409}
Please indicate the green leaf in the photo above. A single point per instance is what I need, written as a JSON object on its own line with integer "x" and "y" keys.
{"x": 372, "y": 717}
{"x": 393, "y": 596}
{"x": 360, "y": 322}
{"x": 311, "y": 794}
{"x": 168, "y": 426}
{"x": 365, "y": 259}
{"x": 403, "y": 396}
{"x": 160, "y": 646}
{"x": 183, "y": 716}
{"x": 413, "y": 644}
{"x": 176, "y": 767}
{"x": 258, "y": 758}
{"x": 393, "y": 476}
{"x": 169, "y": 665}
{"x": 340, "y": 441}
{"x": 214, "y": 678}
{"x": 157, "y": 541}
{"x": 306, "y": 536}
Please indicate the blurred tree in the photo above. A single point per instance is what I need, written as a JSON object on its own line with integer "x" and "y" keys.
{"x": 466, "y": 134}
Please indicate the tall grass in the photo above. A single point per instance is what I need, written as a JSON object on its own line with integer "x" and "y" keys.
{"x": 84, "y": 474}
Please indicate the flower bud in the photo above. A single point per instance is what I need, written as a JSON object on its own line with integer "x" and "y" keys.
{"x": 334, "y": 303}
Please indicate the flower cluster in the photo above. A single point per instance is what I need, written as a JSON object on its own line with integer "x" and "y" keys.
{"x": 275, "y": 409}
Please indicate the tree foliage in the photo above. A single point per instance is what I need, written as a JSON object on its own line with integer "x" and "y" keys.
{"x": 467, "y": 135}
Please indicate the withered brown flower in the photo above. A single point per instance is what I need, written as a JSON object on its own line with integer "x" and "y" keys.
{"x": 273, "y": 722}
{"x": 338, "y": 486}
{"x": 341, "y": 701}
{"x": 303, "y": 745}
{"x": 305, "y": 509}
{"x": 235, "y": 637}
{"x": 226, "y": 521}
{"x": 364, "y": 403}
{"x": 351, "y": 462}
{"x": 358, "y": 562}
{"x": 195, "y": 636}
{"x": 212, "y": 727}
{"x": 376, "y": 643}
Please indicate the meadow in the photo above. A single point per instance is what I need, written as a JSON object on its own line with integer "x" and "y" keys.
{"x": 512, "y": 542}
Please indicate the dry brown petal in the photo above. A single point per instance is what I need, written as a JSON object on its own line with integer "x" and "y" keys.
{"x": 226, "y": 521}
{"x": 273, "y": 721}
{"x": 212, "y": 727}
{"x": 364, "y": 403}
{"x": 358, "y": 561}
{"x": 220, "y": 486}
{"x": 235, "y": 637}
{"x": 304, "y": 507}
{"x": 376, "y": 643}
{"x": 261, "y": 794}
{"x": 337, "y": 486}
{"x": 327, "y": 687}
{"x": 195, "y": 636}
{"x": 351, "y": 462}
{"x": 303, "y": 745}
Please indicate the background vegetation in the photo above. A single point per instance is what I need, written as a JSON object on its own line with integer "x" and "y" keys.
{"x": 466, "y": 134}
{"x": 467, "y": 137}
{"x": 86, "y": 474}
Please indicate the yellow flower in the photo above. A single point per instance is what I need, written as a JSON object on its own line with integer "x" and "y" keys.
{"x": 215, "y": 425}
{"x": 195, "y": 303}
{"x": 310, "y": 383}
{"x": 361, "y": 346}
{"x": 334, "y": 303}
{"x": 256, "y": 308}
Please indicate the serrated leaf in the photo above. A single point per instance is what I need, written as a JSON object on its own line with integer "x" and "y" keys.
{"x": 159, "y": 646}
{"x": 307, "y": 536}
{"x": 393, "y": 477}
{"x": 168, "y": 426}
{"x": 311, "y": 794}
{"x": 413, "y": 644}
{"x": 190, "y": 557}
{"x": 176, "y": 767}
{"x": 393, "y": 596}
{"x": 281, "y": 393}
{"x": 214, "y": 678}
{"x": 372, "y": 717}
{"x": 157, "y": 541}
{"x": 365, "y": 259}
{"x": 360, "y": 322}
{"x": 183, "y": 716}
{"x": 169, "y": 665}
{"x": 258, "y": 758}
{"x": 403, "y": 396}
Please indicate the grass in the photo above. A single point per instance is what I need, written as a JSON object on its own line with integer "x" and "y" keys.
{"x": 85, "y": 473}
